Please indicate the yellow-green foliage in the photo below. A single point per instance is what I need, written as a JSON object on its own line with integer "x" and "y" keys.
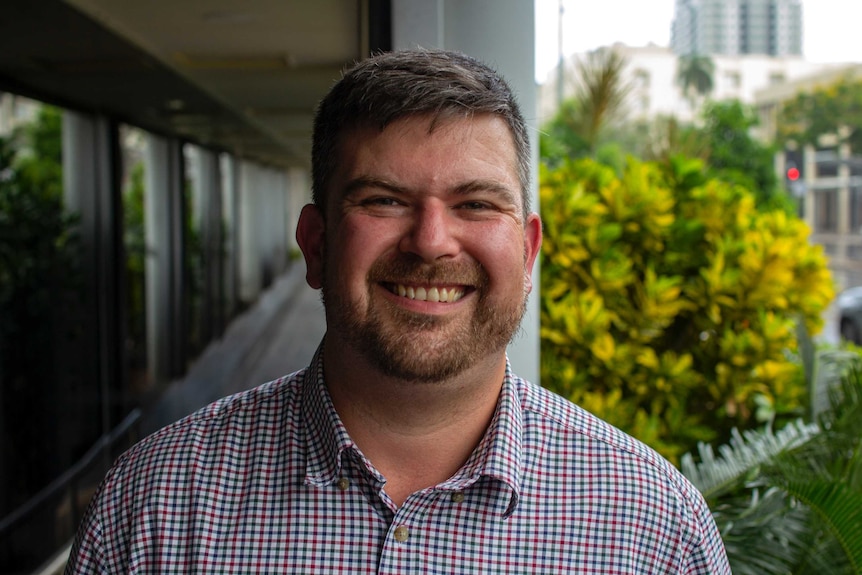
{"x": 669, "y": 303}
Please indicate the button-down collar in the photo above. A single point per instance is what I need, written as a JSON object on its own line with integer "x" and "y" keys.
{"x": 497, "y": 457}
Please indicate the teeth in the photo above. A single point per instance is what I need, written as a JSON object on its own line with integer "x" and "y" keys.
{"x": 432, "y": 294}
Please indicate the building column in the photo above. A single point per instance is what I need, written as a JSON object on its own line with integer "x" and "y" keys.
{"x": 272, "y": 216}
{"x": 299, "y": 194}
{"x": 501, "y": 34}
{"x": 249, "y": 243}
{"x": 844, "y": 212}
{"x": 91, "y": 189}
{"x": 230, "y": 210}
{"x": 208, "y": 217}
{"x": 809, "y": 177}
{"x": 163, "y": 182}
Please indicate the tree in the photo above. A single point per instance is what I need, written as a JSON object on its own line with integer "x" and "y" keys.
{"x": 735, "y": 156}
{"x": 723, "y": 140}
{"x": 790, "y": 501}
{"x": 583, "y": 122}
{"x": 835, "y": 110}
{"x": 665, "y": 137}
{"x": 39, "y": 276}
{"x": 694, "y": 76}
{"x": 669, "y": 303}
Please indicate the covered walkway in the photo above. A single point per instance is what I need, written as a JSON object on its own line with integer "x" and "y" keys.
{"x": 276, "y": 336}
{"x": 184, "y": 132}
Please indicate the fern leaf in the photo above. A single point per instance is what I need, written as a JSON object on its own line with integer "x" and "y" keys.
{"x": 741, "y": 460}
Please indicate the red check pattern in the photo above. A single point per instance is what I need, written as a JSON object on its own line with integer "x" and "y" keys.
{"x": 268, "y": 481}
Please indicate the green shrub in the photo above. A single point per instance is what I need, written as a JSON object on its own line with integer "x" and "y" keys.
{"x": 669, "y": 303}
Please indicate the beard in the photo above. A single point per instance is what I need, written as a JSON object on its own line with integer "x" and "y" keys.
{"x": 418, "y": 347}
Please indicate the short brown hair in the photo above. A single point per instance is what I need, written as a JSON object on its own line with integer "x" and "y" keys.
{"x": 394, "y": 85}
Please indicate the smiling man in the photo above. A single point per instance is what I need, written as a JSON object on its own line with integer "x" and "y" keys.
{"x": 407, "y": 445}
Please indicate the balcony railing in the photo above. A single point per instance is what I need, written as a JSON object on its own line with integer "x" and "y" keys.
{"x": 46, "y": 523}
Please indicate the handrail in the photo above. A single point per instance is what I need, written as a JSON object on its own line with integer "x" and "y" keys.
{"x": 106, "y": 441}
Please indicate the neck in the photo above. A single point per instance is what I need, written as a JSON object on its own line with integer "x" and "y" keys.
{"x": 416, "y": 434}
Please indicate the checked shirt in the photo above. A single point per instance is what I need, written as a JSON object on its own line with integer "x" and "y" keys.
{"x": 268, "y": 481}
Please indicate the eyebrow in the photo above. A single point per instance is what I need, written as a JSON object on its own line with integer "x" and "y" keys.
{"x": 488, "y": 186}
{"x": 363, "y": 182}
{"x": 467, "y": 188}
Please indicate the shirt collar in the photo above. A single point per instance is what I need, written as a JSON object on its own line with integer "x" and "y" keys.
{"x": 498, "y": 456}
{"x": 326, "y": 436}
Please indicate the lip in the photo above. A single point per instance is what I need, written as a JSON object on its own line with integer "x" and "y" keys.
{"x": 433, "y": 293}
{"x": 425, "y": 296}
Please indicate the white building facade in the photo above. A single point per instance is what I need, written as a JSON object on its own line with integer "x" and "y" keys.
{"x": 651, "y": 72}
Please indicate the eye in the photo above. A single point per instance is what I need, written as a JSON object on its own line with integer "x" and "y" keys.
{"x": 381, "y": 201}
{"x": 475, "y": 205}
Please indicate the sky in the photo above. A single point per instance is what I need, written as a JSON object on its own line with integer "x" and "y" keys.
{"x": 830, "y": 28}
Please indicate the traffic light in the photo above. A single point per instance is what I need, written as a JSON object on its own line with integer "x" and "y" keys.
{"x": 793, "y": 172}
{"x": 793, "y": 165}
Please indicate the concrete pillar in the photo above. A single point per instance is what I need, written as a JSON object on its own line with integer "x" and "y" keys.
{"x": 810, "y": 177}
{"x": 500, "y": 33}
{"x": 230, "y": 210}
{"x": 299, "y": 194}
{"x": 273, "y": 225}
{"x": 207, "y": 206}
{"x": 90, "y": 166}
{"x": 249, "y": 244}
{"x": 163, "y": 182}
{"x": 280, "y": 213}
{"x": 843, "y": 207}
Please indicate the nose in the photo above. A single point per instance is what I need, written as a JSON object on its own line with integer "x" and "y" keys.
{"x": 431, "y": 234}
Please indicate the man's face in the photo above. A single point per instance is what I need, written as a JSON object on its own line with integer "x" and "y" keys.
{"x": 424, "y": 256}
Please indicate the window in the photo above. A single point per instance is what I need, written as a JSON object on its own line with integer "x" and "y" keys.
{"x": 826, "y": 211}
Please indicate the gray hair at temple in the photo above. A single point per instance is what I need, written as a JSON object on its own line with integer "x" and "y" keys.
{"x": 394, "y": 85}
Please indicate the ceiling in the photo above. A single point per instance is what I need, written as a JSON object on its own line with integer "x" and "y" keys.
{"x": 238, "y": 75}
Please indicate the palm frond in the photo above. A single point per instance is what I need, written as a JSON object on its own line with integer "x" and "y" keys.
{"x": 839, "y": 508}
{"x": 741, "y": 460}
{"x": 763, "y": 533}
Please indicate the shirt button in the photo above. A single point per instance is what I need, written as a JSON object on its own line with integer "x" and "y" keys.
{"x": 402, "y": 534}
{"x": 343, "y": 483}
{"x": 457, "y": 497}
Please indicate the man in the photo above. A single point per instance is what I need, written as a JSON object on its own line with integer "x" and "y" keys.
{"x": 407, "y": 446}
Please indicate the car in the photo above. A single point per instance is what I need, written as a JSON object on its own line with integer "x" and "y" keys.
{"x": 850, "y": 314}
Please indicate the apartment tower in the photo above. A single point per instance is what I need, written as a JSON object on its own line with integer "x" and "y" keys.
{"x": 737, "y": 27}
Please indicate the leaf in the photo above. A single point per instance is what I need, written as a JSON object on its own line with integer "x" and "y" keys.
{"x": 743, "y": 457}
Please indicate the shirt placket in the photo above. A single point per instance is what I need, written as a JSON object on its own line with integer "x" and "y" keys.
{"x": 407, "y": 536}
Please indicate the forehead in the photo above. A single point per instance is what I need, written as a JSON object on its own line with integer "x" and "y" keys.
{"x": 450, "y": 149}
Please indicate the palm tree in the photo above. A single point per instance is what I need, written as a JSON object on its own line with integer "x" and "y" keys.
{"x": 694, "y": 75}
{"x": 598, "y": 104}
{"x": 602, "y": 92}
{"x": 791, "y": 501}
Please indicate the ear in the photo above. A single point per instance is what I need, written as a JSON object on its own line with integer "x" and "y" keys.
{"x": 310, "y": 235}
{"x": 532, "y": 244}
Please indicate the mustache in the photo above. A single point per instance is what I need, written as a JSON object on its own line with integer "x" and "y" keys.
{"x": 412, "y": 270}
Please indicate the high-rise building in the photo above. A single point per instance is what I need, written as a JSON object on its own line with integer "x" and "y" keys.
{"x": 735, "y": 27}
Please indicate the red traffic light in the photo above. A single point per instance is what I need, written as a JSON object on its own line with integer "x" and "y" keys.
{"x": 792, "y": 174}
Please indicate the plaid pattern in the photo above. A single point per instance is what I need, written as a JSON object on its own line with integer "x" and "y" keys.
{"x": 268, "y": 481}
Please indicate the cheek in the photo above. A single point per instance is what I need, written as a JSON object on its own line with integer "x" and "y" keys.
{"x": 358, "y": 245}
{"x": 502, "y": 256}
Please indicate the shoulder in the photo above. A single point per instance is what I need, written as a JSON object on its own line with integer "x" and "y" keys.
{"x": 581, "y": 471}
{"x": 588, "y": 446}
{"x": 196, "y": 467}
{"x": 220, "y": 436}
